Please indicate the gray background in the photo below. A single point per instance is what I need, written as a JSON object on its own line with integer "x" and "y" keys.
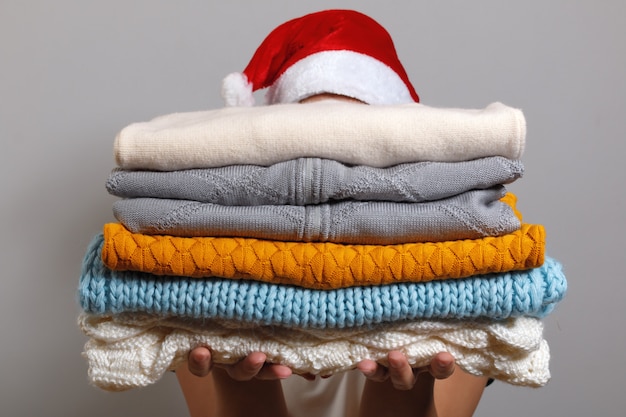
{"x": 72, "y": 73}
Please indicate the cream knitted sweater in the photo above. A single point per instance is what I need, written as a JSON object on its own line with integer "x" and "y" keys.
{"x": 265, "y": 135}
{"x": 133, "y": 350}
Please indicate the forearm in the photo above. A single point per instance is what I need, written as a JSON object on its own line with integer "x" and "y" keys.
{"x": 199, "y": 392}
{"x": 217, "y": 394}
{"x": 455, "y": 396}
{"x": 256, "y": 397}
{"x": 458, "y": 395}
{"x": 383, "y": 399}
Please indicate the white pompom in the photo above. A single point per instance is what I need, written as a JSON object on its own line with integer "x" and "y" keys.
{"x": 237, "y": 91}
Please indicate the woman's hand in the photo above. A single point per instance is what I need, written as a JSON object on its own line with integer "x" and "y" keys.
{"x": 400, "y": 373}
{"x": 252, "y": 366}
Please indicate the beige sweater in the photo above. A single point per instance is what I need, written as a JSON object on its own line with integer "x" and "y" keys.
{"x": 377, "y": 136}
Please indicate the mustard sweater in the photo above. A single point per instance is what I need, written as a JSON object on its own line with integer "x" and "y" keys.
{"x": 321, "y": 265}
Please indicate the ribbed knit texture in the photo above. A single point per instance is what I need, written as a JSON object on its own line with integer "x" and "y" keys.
{"x": 265, "y": 135}
{"x": 129, "y": 351}
{"x": 307, "y": 181}
{"x": 532, "y": 292}
{"x": 320, "y": 265}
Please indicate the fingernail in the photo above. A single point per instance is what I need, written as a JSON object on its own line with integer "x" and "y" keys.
{"x": 395, "y": 362}
{"x": 448, "y": 361}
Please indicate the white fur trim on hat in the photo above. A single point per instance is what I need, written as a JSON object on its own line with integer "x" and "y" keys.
{"x": 340, "y": 72}
{"x": 237, "y": 91}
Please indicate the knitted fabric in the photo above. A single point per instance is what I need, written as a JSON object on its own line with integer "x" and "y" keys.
{"x": 265, "y": 135}
{"x": 130, "y": 351}
{"x": 306, "y": 181}
{"x": 320, "y": 265}
{"x": 532, "y": 292}
{"x": 470, "y": 215}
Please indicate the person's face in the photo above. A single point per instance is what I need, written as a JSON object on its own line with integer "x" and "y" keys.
{"x": 326, "y": 96}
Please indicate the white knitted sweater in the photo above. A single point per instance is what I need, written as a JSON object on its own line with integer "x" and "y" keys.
{"x": 265, "y": 135}
{"x": 133, "y": 350}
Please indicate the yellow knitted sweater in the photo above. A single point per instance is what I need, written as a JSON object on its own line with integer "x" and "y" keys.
{"x": 321, "y": 265}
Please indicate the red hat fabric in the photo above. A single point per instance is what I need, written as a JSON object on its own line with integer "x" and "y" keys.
{"x": 340, "y": 52}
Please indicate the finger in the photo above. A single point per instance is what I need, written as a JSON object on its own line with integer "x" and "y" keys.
{"x": 308, "y": 376}
{"x": 442, "y": 365}
{"x": 248, "y": 367}
{"x": 372, "y": 370}
{"x": 400, "y": 371}
{"x": 199, "y": 361}
{"x": 270, "y": 371}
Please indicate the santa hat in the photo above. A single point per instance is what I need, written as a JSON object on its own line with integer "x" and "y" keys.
{"x": 333, "y": 51}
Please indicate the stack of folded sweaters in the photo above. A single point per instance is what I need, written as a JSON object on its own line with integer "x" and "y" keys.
{"x": 320, "y": 234}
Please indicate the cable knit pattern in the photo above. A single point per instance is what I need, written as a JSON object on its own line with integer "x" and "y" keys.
{"x": 129, "y": 351}
{"x": 470, "y": 215}
{"x": 320, "y": 265}
{"x": 532, "y": 292}
{"x": 306, "y": 181}
{"x": 265, "y": 135}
